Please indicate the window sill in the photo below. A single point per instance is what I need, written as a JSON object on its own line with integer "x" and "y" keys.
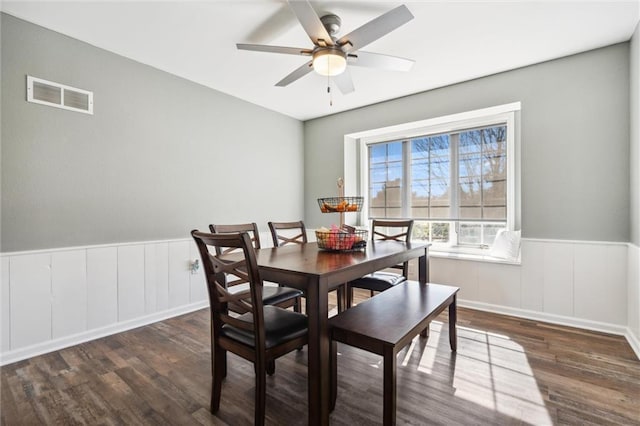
{"x": 468, "y": 254}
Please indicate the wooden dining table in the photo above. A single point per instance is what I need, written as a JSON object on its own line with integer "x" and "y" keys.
{"x": 316, "y": 272}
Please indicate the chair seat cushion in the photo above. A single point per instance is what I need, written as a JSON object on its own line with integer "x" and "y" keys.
{"x": 271, "y": 295}
{"x": 281, "y": 326}
{"x": 378, "y": 281}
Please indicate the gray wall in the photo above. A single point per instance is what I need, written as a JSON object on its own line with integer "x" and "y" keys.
{"x": 574, "y": 136}
{"x": 160, "y": 157}
{"x": 635, "y": 136}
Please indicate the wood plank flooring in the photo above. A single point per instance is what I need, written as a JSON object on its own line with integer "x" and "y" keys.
{"x": 506, "y": 371}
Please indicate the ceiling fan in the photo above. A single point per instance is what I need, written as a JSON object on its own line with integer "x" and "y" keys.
{"x": 330, "y": 55}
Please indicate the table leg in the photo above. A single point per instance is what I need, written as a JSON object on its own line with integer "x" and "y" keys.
{"x": 334, "y": 374}
{"x": 423, "y": 267}
{"x": 423, "y": 277}
{"x": 453, "y": 316}
{"x": 319, "y": 353}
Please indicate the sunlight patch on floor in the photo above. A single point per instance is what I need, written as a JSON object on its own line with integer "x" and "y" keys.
{"x": 497, "y": 376}
{"x": 428, "y": 358}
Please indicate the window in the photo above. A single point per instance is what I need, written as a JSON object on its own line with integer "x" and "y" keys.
{"x": 454, "y": 176}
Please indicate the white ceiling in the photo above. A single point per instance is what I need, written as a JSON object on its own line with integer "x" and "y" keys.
{"x": 451, "y": 41}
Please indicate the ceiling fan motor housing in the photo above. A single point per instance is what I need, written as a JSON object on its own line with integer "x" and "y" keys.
{"x": 332, "y": 24}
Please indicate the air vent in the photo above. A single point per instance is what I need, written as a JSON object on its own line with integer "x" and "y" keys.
{"x": 58, "y": 95}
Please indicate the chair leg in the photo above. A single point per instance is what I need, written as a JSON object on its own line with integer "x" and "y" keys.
{"x": 271, "y": 367}
{"x": 224, "y": 364}
{"x": 297, "y": 307}
{"x": 219, "y": 366}
{"x": 341, "y": 297}
{"x": 334, "y": 375}
{"x": 261, "y": 389}
{"x": 349, "y": 292}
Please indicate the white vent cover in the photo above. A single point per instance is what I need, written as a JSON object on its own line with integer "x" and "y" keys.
{"x": 58, "y": 95}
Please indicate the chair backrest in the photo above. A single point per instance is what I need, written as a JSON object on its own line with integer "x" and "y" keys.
{"x": 398, "y": 230}
{"x": 243, "y": 268}
{"x": 250, "y": 228}
{"x": 288, "y": 233}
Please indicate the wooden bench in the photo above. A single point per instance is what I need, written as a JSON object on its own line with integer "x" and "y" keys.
{"x": 385, "y": 324}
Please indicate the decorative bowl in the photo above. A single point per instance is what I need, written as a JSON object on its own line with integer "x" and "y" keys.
{"x": 341, "y": 240}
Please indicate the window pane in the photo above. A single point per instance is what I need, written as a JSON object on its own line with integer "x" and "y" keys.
{"x": 385, "y": 177}
{"x": 377, "y": 195}
{"x": 377, "y": 212}
{"x": 440, "y": 232}
{"x": 394, "y": 151}
{"x": 490, "y": 231}
{"x": 420, "y": 212}
{"x": 395, "y": 213}
{"x": 469, "y": 192}
{"x": 378, "y": 173}
{"x": 420, "y": 149}
{"x": 470, "y": 213}
{"x": 394, "y": 172}
{"x": 495, "y": 212}
{"x": 378, "y": 153}
{"x": 419, "y": 170}
{"x": 440, "y": 213}
{"x": 420, "y": 231}
{"x": 394, "y": 196}
{"x": 494, "y": 193}
{"x": 430, "y": 168}
{"x": 470, "y": 233}
{"x": 420, "y": 192}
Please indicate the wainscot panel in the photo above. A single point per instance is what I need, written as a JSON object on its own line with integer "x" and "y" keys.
{"x": 56, "y": 298}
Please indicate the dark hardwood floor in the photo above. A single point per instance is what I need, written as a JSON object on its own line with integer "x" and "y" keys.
{"x": 506, "y": 371}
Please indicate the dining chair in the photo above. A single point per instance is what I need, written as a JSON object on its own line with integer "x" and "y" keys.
{"x": 398, "y": 230}
{"x": 272, "y": 293}
{"x": 261, "y": 333}
{"x": 288, "y": 233}
{"x": 283, "y": 233}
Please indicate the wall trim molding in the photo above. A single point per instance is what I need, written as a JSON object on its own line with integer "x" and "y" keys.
{"x": 76, "y": 339}
{"x": 91, "y": 247}
{"x": 619, "y": 330}
{"x": 633, "y": 341}
{"x": 558, "y": 241}
{"x": 267, "y": 241}
{"x": 584, "y": 324}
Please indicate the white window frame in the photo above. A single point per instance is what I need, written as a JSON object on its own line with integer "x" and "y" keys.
{"x": 356, "y": 154}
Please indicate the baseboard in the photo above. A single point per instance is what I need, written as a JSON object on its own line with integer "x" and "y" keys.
{"x": 65, "y": 342}
{"x": 634, "y": 342}
{"x": 620, "y": 330}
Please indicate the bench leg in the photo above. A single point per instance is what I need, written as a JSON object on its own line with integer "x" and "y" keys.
{"x": 425, "y": 333}
{"x": 453, "y": 317}
{"x": 389, "y": 393}
{"x": 333, "y": 361}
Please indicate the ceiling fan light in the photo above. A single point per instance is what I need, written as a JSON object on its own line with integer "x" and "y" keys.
{"x": 329, "y": 62}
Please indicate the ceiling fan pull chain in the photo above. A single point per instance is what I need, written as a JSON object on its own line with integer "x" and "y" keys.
{"x": 329, "y": 91}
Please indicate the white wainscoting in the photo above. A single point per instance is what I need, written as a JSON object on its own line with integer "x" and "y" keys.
{"x": 633, "y": 332}
{"x": 575, "y": 283}
{"x": 52, "y": 299}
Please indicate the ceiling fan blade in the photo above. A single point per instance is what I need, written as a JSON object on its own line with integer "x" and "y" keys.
{"x": 274, "y": 49}
{"x": 310, "y": 22}
{"x": 344, "y": 82}
{"x": 296, "y": 74}
{"x": 377, "y": 60}
{"x": 376, "y": 28}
